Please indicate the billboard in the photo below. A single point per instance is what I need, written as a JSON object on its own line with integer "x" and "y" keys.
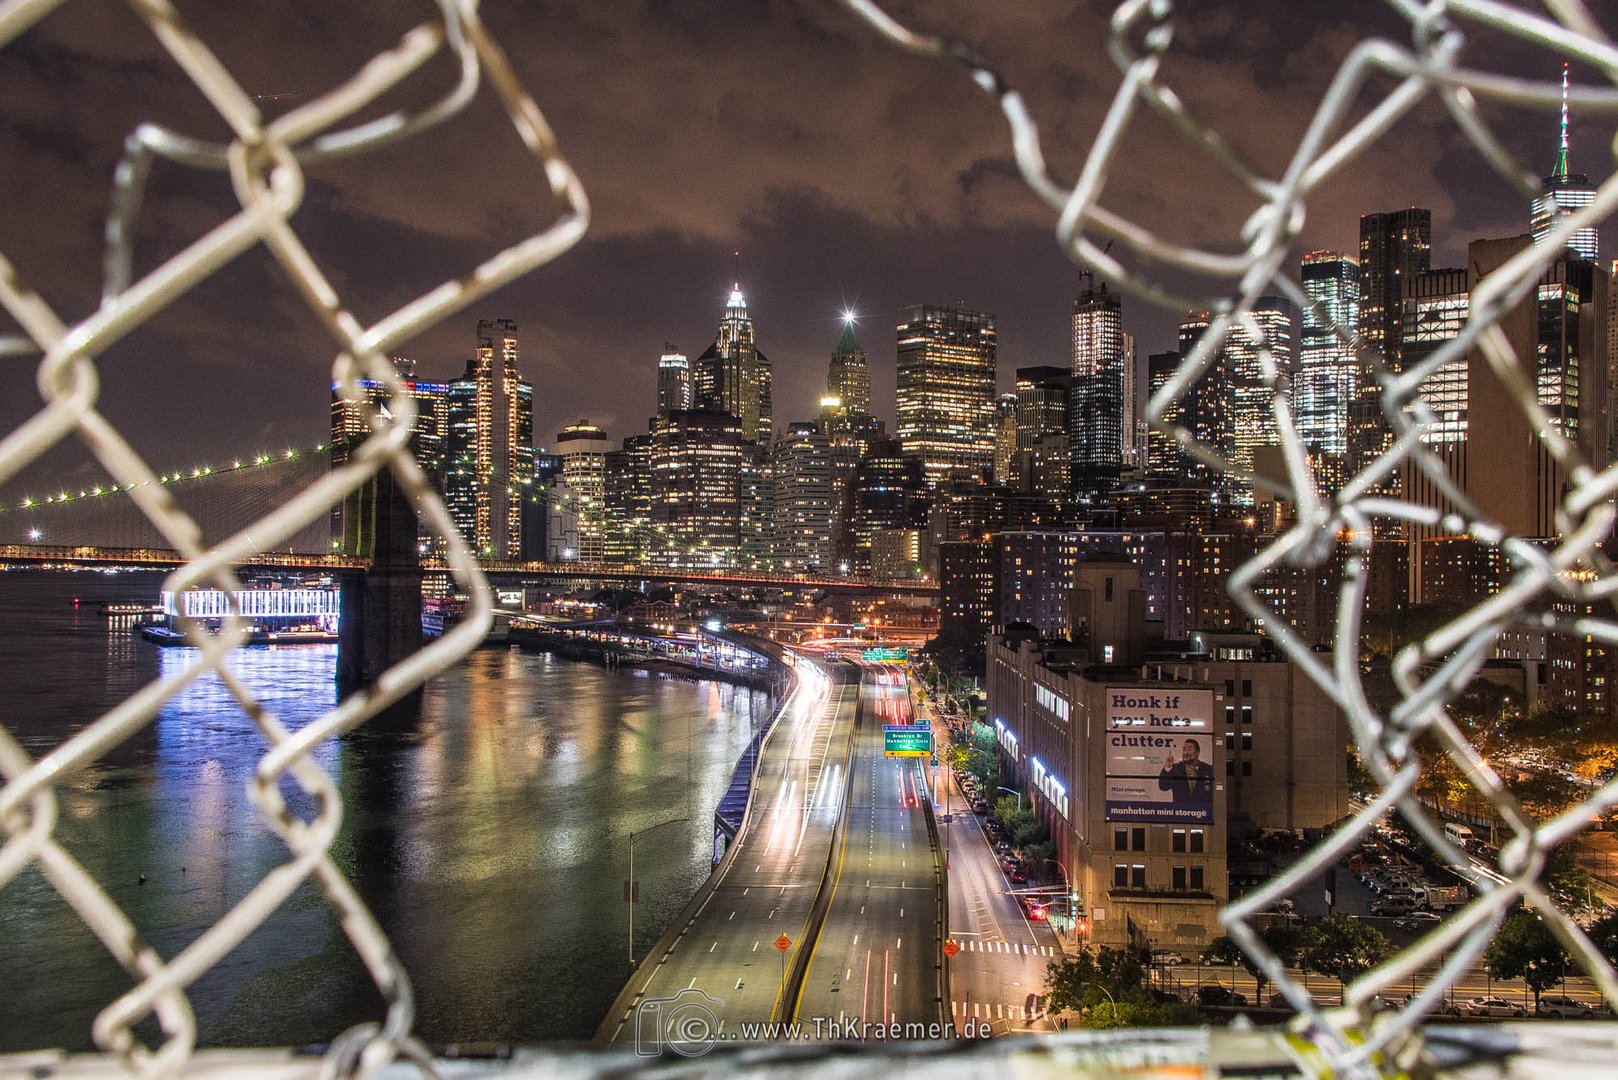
{"x": 1160, "y": 755}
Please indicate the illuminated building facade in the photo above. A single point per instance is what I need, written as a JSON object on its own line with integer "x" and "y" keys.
{"x": 583, "y": 448}
{"x": 489, "y": 444}
{"x": 696, "y": 473}
{"x": 848, "y": 378}
{"x": 946, "y": 386}
{"x": 1327, "y": 370}
{"x": 1098, "y": 428}
{"x": 887, "y": 491}
{"x": 1251, "y": 412}
{"x": 1164, "y": 458}
{"x": 1436, "y": 307}
{"x": 801, "y": 511}
{"x": 673, "y": 381}
{"x": 1394, "y": 248}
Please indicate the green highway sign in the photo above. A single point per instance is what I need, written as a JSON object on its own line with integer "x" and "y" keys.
{"x": 901, "y": 740}
{"x": 880, "y": 655}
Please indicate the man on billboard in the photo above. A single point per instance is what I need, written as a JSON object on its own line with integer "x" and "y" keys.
{"x": 1190, "y": 780}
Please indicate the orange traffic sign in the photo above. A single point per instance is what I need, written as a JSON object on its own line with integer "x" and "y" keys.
{"x": 783, "y": 943}
{"x": 950, "y": 949}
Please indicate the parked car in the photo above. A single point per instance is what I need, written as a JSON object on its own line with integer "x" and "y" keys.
{"x": 1492, "y": 1006}
{"x": 1017, "y": 877}
{"x": 1392, "y": 907}
{"x": 980, "y": 808}
{"x": 1418, "y": 920}
{"x": 1167, "y": 957}
{"x": 1443, "y": 1008}
{"x": 1560, "y": 1007}
{"x": 1218, "y": 995}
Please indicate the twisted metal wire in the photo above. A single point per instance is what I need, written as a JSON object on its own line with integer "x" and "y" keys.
{"x": 265, "y": 161}
{"x": 1359, "y": 1040}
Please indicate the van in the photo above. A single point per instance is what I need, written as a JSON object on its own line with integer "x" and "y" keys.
{"x": 1459, "y": 835}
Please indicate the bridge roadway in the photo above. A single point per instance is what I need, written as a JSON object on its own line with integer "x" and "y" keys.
{"x": 769, "y": 883}
{"x": 878, "y": 959}
{"x": 157, "y": 558}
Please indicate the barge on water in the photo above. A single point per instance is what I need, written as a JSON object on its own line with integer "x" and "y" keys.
{"x": 305, "y": 615}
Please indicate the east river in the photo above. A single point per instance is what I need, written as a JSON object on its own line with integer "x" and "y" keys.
{"x": 490, "y": 839}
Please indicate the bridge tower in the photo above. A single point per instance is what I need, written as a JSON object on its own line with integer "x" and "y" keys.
{"x": 381, "y": 606}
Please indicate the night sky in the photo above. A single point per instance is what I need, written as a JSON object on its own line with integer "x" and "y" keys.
{"x": 844, "y": 171}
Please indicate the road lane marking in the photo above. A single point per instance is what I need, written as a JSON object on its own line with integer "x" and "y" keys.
{"x": 692, "y": 983}
{"x": 898, "y": 943}
{"x": 755, "y": 946}
{"x": 732, "y": 916}
{"x": 714, "y": 946}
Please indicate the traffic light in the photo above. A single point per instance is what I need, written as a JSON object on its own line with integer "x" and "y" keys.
{"x": 1081, "y": 927}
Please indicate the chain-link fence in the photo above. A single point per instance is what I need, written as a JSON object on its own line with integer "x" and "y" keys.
{"x": 265, "y": 160}
{"x": 1367, "y": 510}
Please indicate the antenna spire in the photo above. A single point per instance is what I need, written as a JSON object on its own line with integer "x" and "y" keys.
{"x": 1561, "y": 156}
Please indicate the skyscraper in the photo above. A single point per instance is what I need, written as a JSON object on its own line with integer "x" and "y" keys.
{"x": 1327, "y": 370}
{"x": 1206, "y": 410}
{"x": 888, "y": 491}
{"x": 1490, "y": 449}
{"x": 1096, "y": 417}
{"x": 673, "y": 381}
{"x": 352, "y": 519}
{"x": 1042, "y": 402}
{"x": 1394, "y": 247}
{"x": 848, "y": 379}
{"x": 1164, "y": 458}
{"x": 801, "y": 517}
{"x": 696, "y": 470}
{"x": 489, "y": 448}
{"x": 1565, "y": 194}
{"x": 946, "y": 389}
{"x": 1252, "y": 403}
{"x": 1436, "y": 306}
{"x": 583, "y": 448}
{"x": 1005, "y": 440}
{"x": 732, "y": 375}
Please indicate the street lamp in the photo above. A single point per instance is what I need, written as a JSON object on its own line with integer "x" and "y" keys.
{"x": 630, "y": 896}
{"x": 1013, "y": 791}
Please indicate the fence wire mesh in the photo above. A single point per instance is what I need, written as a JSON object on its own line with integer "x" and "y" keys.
{"x": 265, "y": 160}
{"x": 1361, "y": 1039}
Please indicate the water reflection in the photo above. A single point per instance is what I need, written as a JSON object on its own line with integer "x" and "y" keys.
{"x": 489, "y": 836}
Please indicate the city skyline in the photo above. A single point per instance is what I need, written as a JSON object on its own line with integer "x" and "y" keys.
{"x": 830, "y": 200}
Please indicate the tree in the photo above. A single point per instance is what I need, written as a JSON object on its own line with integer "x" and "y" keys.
{"x": 1281, "y": 939}
{"x": 1603, "y": 934}
{"x": 1008, "y": 812}
{"x": 1105, "y": 986}
{"x": 1039, "y": 853}
{"x": 1343, "y": 947}
{"x": 1544, "y": 795}
{"x": 1526, "y": 949}
{"x": 1073, "y": 982}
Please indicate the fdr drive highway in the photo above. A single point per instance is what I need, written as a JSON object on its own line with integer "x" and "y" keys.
{"x": 828, "y": 906}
